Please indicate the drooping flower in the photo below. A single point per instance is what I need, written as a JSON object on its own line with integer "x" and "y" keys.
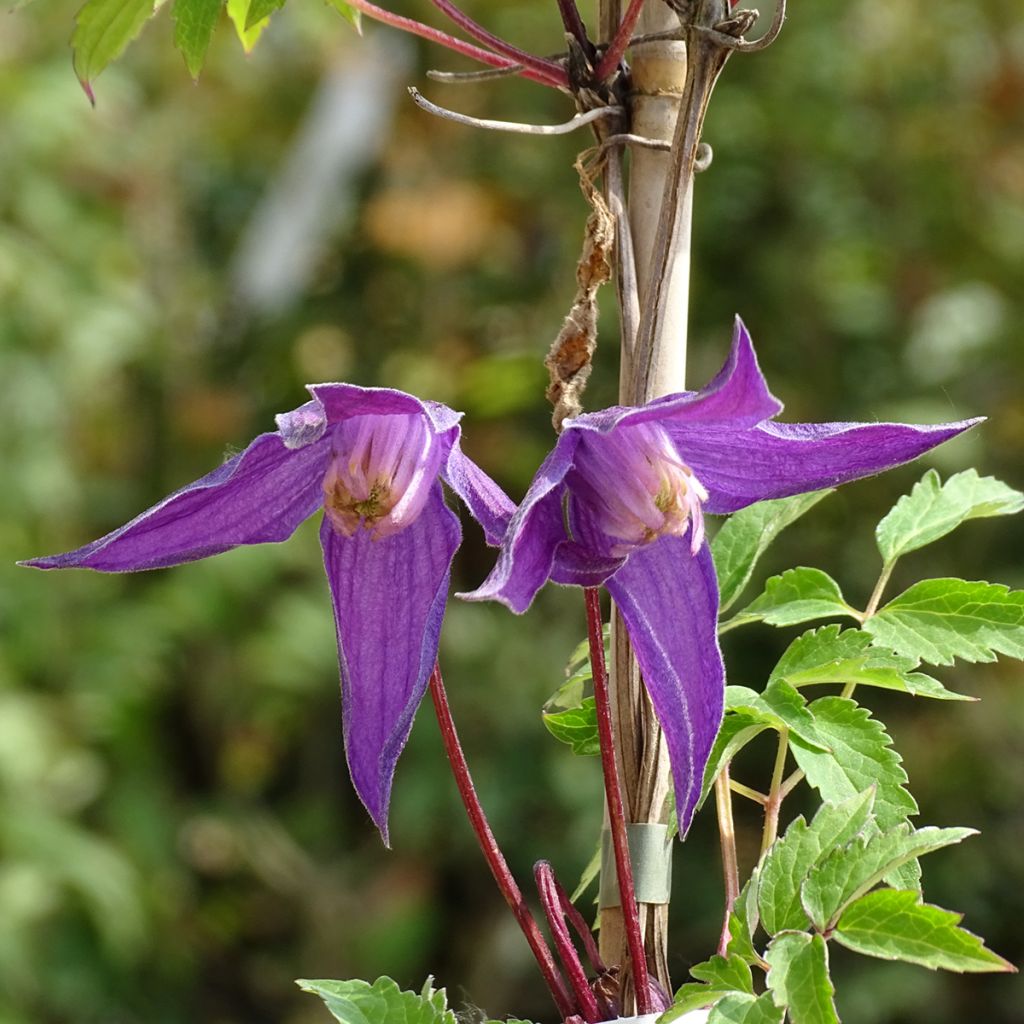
{"x": 373, "y": 459}
{"x": 621, "y": 498}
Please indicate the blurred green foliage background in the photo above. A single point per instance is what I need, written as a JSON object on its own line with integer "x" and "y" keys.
{"x": 178, "y": 838}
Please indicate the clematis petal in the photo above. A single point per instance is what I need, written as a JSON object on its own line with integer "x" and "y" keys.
{"x": 343, "y": 401}
{"x": 389, "y": 597}
{"x": 490, "y": 506}
{"x": 669, "y": 601}
{"x": 533, "y": 535}
{"x": 259, "y": 496}
{"x": 775, "y": 460}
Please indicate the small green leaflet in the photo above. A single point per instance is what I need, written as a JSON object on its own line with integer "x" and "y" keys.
{"x": 746, "y": 535}
{"x": 933, "y": 509}
{"x": 260, "y": 9}
{"x": 194, "y": 22}
{"x": 860, "y": 756}
{"x": 577, "y": 727}
{"x": 798, "y": 595}
{"x": 848, "y": 873}
{"x": 799, "y": 979}
{"x": 347, "y": 11}
{"x": 359, "y": 1002}
{"x": 791, "y": 858}
{"x": 590, "y": 872}
{"x": 896, "y": 925}
{"x": 717, "y": 977}
{"x": 103, "y": 28}
{"x": 737, "y": 730}
{"x": 248, "y": 35}
{"x": 831, "y": 654}
{"x": 780, "y": 706}
{"x": 939, "y": 620}
{"x": 744, "y": 1009}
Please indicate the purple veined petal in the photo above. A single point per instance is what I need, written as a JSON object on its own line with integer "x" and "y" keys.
{"x": 669, "y": 601}
{"x": 577, "y": 566}
{"x": 257, "y": 497}
{"x": 738, "y": 396}
{"x": 775, "y": 460}
{"x": 343, "y": 401}
{"x": 389, "y": 597}
{"x": 533, "y": 535}
{"x": 490, "y": 506}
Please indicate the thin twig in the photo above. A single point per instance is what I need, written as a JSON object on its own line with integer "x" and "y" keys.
{"x": 579, "y": 121}
{"x": 492, "y": 853}
{"x": 547, "y": 886}
{"x": 775, "y": 796}
{"x": 740, "y": 45}
{"x": 573, "y": 23}
{"x": 493, "y": 42}
{"x": 750, "y": 794}
{"x": 620, "y": 42}
{"x": 550, "y": 74}
{"x": 613, "y": 794}
{"x": 730, "y": 862}
{"x": 631, "y": 139}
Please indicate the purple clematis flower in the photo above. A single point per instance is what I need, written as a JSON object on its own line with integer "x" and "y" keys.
{"x": 620, "y": 501}
{"x": 373, "y": 459}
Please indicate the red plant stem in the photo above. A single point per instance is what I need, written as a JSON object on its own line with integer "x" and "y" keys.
{"x": 556, "y": 78}
{"x": 574, "y": 23}
{"x": 613, "y": 794}
{"x": 547, "y": 886}
{"x": 481, "y": 35}
{"x": 620, "y": 42}
{"x": 492, "y": 854}
{"x": 580, "y": 926}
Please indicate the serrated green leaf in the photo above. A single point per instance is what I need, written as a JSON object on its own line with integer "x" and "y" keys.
{"x": 895, "y": 925}
{"x": 103, "y": 28}
{"x": 798, "y": 595}
{"x": 939, "y": 620}
{"x": 790, "y": 859}
{"x": 737, "y": 730}
{"x": 848, "y": 873}
{"x": 861, "y": 756}
{"x": 745, "y": 919}
{"x": 578, "y": 674}
{"x": 933, "y": 509}
{"x": 577, "y": 727}
{"x": 832, "y": 654}
{"x": 744, "y": 1009}
{"x": 718, "y": 977}
{"x": 359, "y": 1002}
{"x": 194, "y": 22}
{"x": 799, "y": 980}
{"x": 248, "y": 35}
{"x": 780, "y": 706}
{"x": 746, "y": 535}
{"x": 260, "y": 9}
{"x": 347, "y": 11}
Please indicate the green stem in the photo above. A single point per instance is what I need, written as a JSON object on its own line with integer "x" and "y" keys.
{"x": 773, "y": 804}
{"x": 873, "y": 602}
{"x": 730, "y": 862}
{"x": 750, "y": 794}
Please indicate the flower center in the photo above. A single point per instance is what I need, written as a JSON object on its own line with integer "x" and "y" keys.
{"x": 637, "y": 489}
{"x": 380, "y": 474}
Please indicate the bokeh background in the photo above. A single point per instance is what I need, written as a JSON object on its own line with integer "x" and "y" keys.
{"x": 178, "y": 838}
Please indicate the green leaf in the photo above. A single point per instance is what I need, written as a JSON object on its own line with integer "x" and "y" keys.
{"x": 746, "y": 535}
{"x": 590, "y": 872}
{"x": 744, "y": 1009}
{"x": 939, "y": 620}
{"x": 933, "y": 509}
{"x": 718, "y": 977}
{"x": 860, "y": 756}
{"x": 248, "y": 35}
{"x": 359, "y": 1002}
{"x": 194, "y": 22}
{"x": 745, "y": 918}
{"x": 260, "y": 9}
{"x": 347, "y": 11}
{"x": 798, "y": 978}
{"x": 896, "y": 925}
{"x": 791, "y": 858}
{"x": 848, "y": 873}
{"x": 737, "y": 730}
{"x": 577, "y": 727}
{"x": 835, "y": 655}
{"x": 798, "y": 595}
{"x": 103, "y": 28}
{"x": 780, "y": 706}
